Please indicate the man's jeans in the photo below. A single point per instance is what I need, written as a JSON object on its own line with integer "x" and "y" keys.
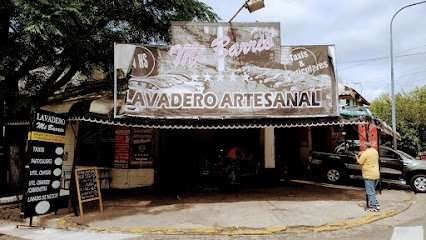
{"x": 370, "y": 189}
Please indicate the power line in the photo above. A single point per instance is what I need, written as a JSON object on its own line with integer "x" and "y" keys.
{"x": 404, "y": 71}
{"x": 404, "y": 50}
{"x": 359, "y": 64}
{"x": 409, "y": 49}
{"x": 418, "y": 80}
{"x": 402, "y": 75}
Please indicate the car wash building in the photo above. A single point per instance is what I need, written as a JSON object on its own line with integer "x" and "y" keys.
{"x": 223, "y": 104}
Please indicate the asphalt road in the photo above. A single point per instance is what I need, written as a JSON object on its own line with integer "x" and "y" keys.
{"x": 408, "y": 225}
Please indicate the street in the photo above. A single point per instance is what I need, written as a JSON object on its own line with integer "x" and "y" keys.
{"x": 413, "y": 221}
{"x": 212, "y": 119}
{"x": 409, "y": 224}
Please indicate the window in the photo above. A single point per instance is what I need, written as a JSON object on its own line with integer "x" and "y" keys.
{"x": 387, "y": 153}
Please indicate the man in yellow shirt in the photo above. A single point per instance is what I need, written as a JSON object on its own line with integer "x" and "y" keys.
{"x": 369, "y": 161}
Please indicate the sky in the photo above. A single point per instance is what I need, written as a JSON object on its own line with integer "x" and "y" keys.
{"x": 359, "y": 29}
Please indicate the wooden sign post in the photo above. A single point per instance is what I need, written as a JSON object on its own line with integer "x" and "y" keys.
{"x": 88, "y": 187}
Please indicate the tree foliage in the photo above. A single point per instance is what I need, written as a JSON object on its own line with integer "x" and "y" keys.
{"x": 411, "y": 117}
{"x": 46, "y": 42}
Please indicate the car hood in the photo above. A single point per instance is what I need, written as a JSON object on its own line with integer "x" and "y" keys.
{"x": 413, "y": 163}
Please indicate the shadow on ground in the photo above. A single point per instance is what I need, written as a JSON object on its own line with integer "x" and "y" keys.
{"x": 138, "y": 201}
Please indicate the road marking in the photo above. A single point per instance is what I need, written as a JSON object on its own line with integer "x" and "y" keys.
{"x": 55, "y": 234}
{"x": 327, "y": 185}
{"x": 403, "y": 233}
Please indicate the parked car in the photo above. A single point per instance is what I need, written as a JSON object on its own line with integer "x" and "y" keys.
{"x": 395, "y": 166}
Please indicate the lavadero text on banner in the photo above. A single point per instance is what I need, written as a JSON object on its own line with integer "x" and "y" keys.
{"x": 216, "y": 70}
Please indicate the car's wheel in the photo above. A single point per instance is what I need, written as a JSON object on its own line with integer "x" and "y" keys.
{"x": 333, "y": 175}
{"x": 418, "y": 183}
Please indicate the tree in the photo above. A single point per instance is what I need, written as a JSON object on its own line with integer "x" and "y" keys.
{"x": 45, "y": 43}
{"x": 411, "y": 117}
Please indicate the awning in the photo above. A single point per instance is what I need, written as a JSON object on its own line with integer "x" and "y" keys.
{"x": 220, "y": 123}
{"x": 99, "y": 109}
{"x": 386, "y": 129}
{"x": 17, "y": 123}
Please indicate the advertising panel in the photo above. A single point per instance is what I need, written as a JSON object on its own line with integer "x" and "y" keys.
{"x": 142, "y": 147}
{"x": 44, "y": 169}
{"x": 121, "y": 147}
{"x": 218, "y": 70}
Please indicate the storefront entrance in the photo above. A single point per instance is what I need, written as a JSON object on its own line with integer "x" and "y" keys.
{"x": 208, "y": 159}
{"x": 292, "y": 151}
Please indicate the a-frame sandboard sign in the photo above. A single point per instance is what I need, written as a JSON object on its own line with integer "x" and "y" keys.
{"x": 88, "y": 187}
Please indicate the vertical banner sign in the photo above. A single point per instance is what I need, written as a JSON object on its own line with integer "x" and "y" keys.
{"x": 217, "y": 70}
{"x": 368, "y": 133}
{"x": 142, "y": 147}
{"x": 372, "y": 137}
{"x": 121, "y": 156}
{"x": 362, "y": 136}
{"x": 44, "y": 169}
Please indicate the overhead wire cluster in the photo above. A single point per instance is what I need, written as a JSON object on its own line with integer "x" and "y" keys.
{"x": 404, "y": 55}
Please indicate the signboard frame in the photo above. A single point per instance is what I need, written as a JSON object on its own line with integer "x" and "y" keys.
{"x": 45, "y": 156}
{"x": 142, "y": 147}
{"x": 165, "y": 66}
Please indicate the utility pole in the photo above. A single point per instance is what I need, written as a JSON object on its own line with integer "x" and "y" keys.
{"x": 392, "y": 71}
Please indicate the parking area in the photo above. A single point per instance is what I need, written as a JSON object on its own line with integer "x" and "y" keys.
{"x": 294, "y": 205}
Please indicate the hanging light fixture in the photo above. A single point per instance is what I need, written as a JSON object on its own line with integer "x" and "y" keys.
{"x": 251, "y": 5}
{"x": 254, "y": 5}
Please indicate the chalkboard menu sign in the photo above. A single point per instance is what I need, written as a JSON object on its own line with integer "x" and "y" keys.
{"x": 44, "y": 168}
{"x": 88, "y": 187}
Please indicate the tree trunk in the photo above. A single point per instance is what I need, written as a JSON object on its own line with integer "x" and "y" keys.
{"x": 55, "y": 85}
{"x": 6, "y": 10}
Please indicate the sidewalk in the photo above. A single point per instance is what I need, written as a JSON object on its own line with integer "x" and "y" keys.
{"x": 297, "y": 207}
{"x": 13, "y": 233}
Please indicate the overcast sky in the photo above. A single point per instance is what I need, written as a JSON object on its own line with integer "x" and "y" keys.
{"x": 360, "y": 31}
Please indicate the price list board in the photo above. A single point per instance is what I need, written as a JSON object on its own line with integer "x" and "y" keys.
{"x": 142, "y": 147}
{"x": 88, "y": 187}
{"x": 44, "y": 167}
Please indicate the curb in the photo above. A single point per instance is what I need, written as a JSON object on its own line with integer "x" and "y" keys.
{"x": 345, "y": 224}
{"x": 10, "y": 199}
